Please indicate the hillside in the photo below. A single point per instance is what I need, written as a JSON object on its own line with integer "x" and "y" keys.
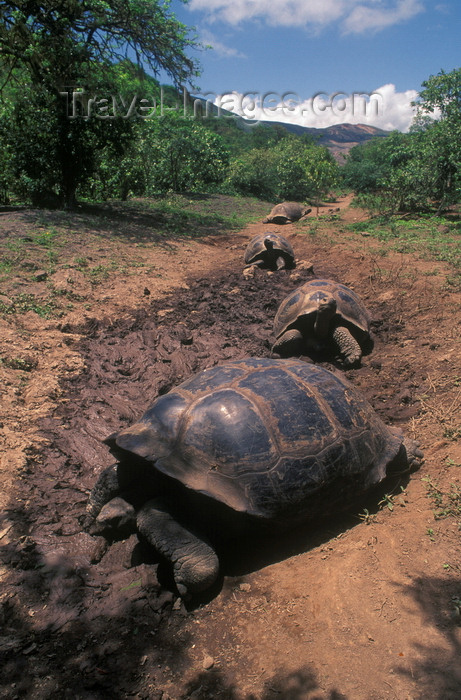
{"x": 339, "y": 138}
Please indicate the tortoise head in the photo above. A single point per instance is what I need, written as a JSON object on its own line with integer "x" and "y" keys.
{"x": 153, "y": 435}
{"x": 326, "y": 309}
{"x": 143, "y": 440}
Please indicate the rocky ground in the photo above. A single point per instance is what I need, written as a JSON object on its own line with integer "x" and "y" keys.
{"x": 365, "y": 607}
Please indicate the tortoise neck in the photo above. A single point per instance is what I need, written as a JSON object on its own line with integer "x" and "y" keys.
{"x": 322, "y": 322}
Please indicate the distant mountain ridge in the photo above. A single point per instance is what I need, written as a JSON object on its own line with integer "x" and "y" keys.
{"x": 338, "y": 138}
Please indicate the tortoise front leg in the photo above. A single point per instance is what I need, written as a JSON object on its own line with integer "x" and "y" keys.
{"x": 106, "y": 488}
{"x": 195, "y": 563}
{"x": 290, "y": 344}
{"x": 112, "y": 482}
{"x": 347, "y": 345}
{"x": 256, "y": 263}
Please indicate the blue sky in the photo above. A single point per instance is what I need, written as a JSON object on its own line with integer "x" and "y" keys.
{"x": 328, "y": 54}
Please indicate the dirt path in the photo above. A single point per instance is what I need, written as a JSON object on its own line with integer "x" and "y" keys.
{"x": 366, "y": 608}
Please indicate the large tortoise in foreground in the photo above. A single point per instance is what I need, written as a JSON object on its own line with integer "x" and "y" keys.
{"x": 270, "y": 251}
{"x": 255, "y": 442}
{"x": 322, "y": 315}
{"x": 286, "y": 213}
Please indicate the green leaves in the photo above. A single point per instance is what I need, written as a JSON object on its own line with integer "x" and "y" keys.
{"x": 289, "y": 169}
{"x": 51, "y": 48}
{"x": 181, "y": 155}
{"x": 59, "y": 42}
{"x": 442, "y": 92}
{"x": 414, "y": 171}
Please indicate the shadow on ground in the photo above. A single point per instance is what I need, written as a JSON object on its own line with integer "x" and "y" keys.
{"x": 438, "y": 666}
{"x": 154, "y": 220}
{"x": 109, "y": 629}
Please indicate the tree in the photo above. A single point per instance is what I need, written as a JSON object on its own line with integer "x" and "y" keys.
{"x": 442, "y": 93}
{"x": 418, "y": 170}
{"x": 264, "y": 136}
{"x": 391, "y": 167}
{"x": 293, "y": 168}
{"x": 322, "y": 174}
{"x": 58, "y": 41}
{"x": 252, "y": 173}
{"x": 441, "y": 97}
{"x": 368, "y": 164}
{"x": 304, "y": 171}
{"x": 51, "y": 48}
{"x": 49, "y": 156}
{"x": 169, "y": 153}
{"x": 291, "y": 157}
{"x": 180, "y": 154}
{"x": 359, "y": 172}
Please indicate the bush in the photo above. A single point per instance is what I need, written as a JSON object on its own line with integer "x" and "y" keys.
{"x": 253, "y": 174}
{"x": 290, "y": 170}
{"x": 182, "y": 155}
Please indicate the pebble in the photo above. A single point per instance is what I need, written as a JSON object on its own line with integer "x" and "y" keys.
{"x": 208, "y": 662}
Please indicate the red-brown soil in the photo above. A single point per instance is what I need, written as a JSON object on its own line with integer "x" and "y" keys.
{"x": 363, "y": 608}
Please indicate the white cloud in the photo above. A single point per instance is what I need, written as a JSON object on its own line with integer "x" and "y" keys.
{"x": 352, "y": 16}
{"x": 443, "y": 8}
{"x": 364, "y": 18}
{"x": 220, "y": 49}
{"x": 384, "y": 108}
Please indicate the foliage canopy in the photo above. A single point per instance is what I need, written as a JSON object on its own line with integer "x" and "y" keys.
{"x": 290, "y": 169}
{"x": 59, "y": 42}
{"x": 52, "y": 48}
{"x": 418, "y": 170}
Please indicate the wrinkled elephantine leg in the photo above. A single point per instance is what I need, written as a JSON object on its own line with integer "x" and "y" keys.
{"x": 347, "y": 345}
{"x": 112, "y": 482}
{"x": 195, "y": 563}
{"x": 290, "y": 344}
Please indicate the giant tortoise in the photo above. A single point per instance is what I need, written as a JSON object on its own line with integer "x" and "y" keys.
{"x": 322, "y": 315}
{"x": 271, "y": 251}
{"x": 266, "y": 443}
{"x": 286, "y": 213}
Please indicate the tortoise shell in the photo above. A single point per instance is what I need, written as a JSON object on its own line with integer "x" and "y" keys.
{"x": 268, "y": 247}
{"x": 286, "y": 212}
{"x": 303, "y": 302}
{"x": 281, "y": 440}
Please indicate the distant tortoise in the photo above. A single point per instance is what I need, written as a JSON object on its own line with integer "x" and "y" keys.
{"x": 270, "y": 251}
{"x": 254, "y": 442}
{"x": 286, "y": 213}
{"x": 322, "y": 315}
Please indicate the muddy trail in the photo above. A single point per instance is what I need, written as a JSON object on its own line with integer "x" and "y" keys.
{"x": 359, "y": 608}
